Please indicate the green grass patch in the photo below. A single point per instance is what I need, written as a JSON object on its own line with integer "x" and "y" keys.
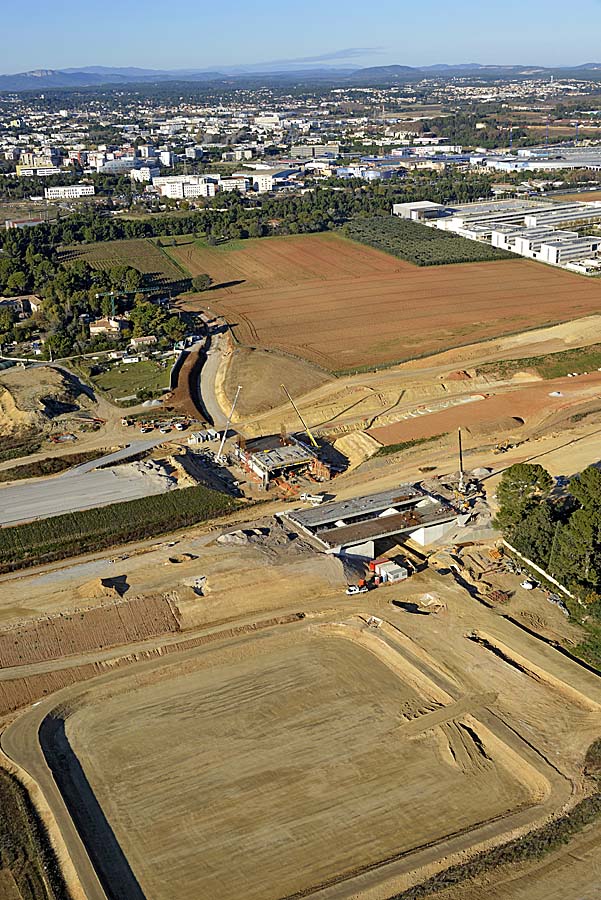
{"x": 419, "y": 244}
{"x": 126, "y": 380}
{"x": 28, "y": 866}
{"x": 389, "y": 449}
{"x": 90, "y": 530}
{"x": 551, "y": 365}
{"x": 52, "y": 465}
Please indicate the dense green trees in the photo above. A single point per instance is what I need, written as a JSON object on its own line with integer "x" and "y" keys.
{"x": 148, "y": 318}
{"x": 522, "y": 488}
{"x": 202, "y": 282}
{"x": 563, "y": 533}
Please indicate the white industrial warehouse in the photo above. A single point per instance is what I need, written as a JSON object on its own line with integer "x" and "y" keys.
{"x": 543, "y": 230}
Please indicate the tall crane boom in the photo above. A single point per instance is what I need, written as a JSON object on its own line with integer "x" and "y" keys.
{"x": 297, "y": 411}
{"x": 227, "y": 425}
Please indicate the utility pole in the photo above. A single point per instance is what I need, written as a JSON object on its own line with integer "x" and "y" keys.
{"x": 227, "y": 425}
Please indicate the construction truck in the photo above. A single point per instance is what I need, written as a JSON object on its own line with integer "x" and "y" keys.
{"x": 313, "y": 499}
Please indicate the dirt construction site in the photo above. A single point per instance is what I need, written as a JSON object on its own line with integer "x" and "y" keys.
{"x": 194, "y": 690}
{"x": 210, "y": 714}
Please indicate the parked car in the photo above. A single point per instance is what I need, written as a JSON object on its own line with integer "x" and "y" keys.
{"x": 356, "y": 589}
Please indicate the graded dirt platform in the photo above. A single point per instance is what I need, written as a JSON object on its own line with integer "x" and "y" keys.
{"x": 510, "y": 410}
{"x": 343, "y": 305}
{"x": 280, "y": 764}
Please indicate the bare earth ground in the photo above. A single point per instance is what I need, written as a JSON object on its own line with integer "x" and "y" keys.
{"x": 413, "y": 398}
{"x": 450, "y": 713}
{"x": 292, "y": 713}
{"x": 509, "y": 410}
{"x": 261, "y": 373}
{"x": 342, "y": 305}
{"x": 296, "y": 747}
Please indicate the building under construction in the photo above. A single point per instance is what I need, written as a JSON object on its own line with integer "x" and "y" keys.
{"x": 354, "y": 527}
{"x": 279, "y": 456}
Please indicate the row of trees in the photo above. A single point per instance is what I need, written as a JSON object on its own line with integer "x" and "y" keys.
{"x": 235, "y": 216}
{"x": 560, "y": 531}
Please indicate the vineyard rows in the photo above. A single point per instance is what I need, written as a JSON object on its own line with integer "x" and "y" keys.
{"x": 94, "y": 529}
{"x": 419, "y": 244}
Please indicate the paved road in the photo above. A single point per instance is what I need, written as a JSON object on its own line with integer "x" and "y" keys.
{"x": 18, "y": 745}
{"x": 130, "y": 450}
{"x": 39, "y": 499}
{"x": 207, "y": 383}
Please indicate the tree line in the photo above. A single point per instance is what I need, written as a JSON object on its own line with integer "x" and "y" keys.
{"x": 559, "y": 530}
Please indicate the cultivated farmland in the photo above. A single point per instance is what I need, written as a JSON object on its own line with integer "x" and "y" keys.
{"x": 419, "y": 244}
{"x": 343, "y": 305}
{"x": 141, "y": 253}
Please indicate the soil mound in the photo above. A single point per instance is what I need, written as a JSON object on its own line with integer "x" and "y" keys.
{"x": 357, "y": 448}
{"x": 36, "y": 397}
{"x": 261, "y": 373}
{"x": 459, "y": 375}
{"x": 104, "y": 587}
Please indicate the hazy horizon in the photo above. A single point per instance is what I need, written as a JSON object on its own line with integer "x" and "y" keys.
{"x": 244, "y": 35}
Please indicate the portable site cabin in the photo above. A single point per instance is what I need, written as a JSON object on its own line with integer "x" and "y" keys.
{"x": 391, "y": 572}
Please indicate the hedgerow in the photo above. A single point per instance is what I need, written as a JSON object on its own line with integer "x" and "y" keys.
{"x": 88, "y": 530}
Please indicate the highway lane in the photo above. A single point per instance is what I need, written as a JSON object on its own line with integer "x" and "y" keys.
{"x": 40, "y": 499}
{"x": 132, "y": 449}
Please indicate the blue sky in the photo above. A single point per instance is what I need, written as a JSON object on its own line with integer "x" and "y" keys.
{"x": 205, "y": 35}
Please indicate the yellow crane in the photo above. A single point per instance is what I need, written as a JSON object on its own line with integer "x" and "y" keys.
{"x": 297, "y": 411}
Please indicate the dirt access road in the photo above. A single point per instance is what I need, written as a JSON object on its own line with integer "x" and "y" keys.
{"x": 414, "y": 695}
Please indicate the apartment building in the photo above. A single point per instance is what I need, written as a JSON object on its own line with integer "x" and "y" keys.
{"x": 69, "y": 191}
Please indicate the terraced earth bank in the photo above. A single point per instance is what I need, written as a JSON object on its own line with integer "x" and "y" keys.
{"x": 275, "y": 765}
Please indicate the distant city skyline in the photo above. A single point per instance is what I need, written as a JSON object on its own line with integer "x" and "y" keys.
{"x": 238, "y": 33}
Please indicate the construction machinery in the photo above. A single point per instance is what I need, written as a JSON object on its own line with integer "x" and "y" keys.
{"x": 297, "y": 411}
{"x": 219, "y": 456}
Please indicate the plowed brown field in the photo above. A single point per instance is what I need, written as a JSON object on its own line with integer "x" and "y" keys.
{"x": 342, "y": 305}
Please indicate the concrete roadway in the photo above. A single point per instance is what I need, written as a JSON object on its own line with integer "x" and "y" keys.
{"x": 42, "y": 498}
{"x": 131, "y": 449}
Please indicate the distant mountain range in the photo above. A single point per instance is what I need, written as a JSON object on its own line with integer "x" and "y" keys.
{"x": 99, "y": 76}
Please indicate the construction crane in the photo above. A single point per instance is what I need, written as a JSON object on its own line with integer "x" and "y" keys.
{"x": 219, "y": 457}
{"x": 297, "y": 411}
{"x": 461, "y": 473}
